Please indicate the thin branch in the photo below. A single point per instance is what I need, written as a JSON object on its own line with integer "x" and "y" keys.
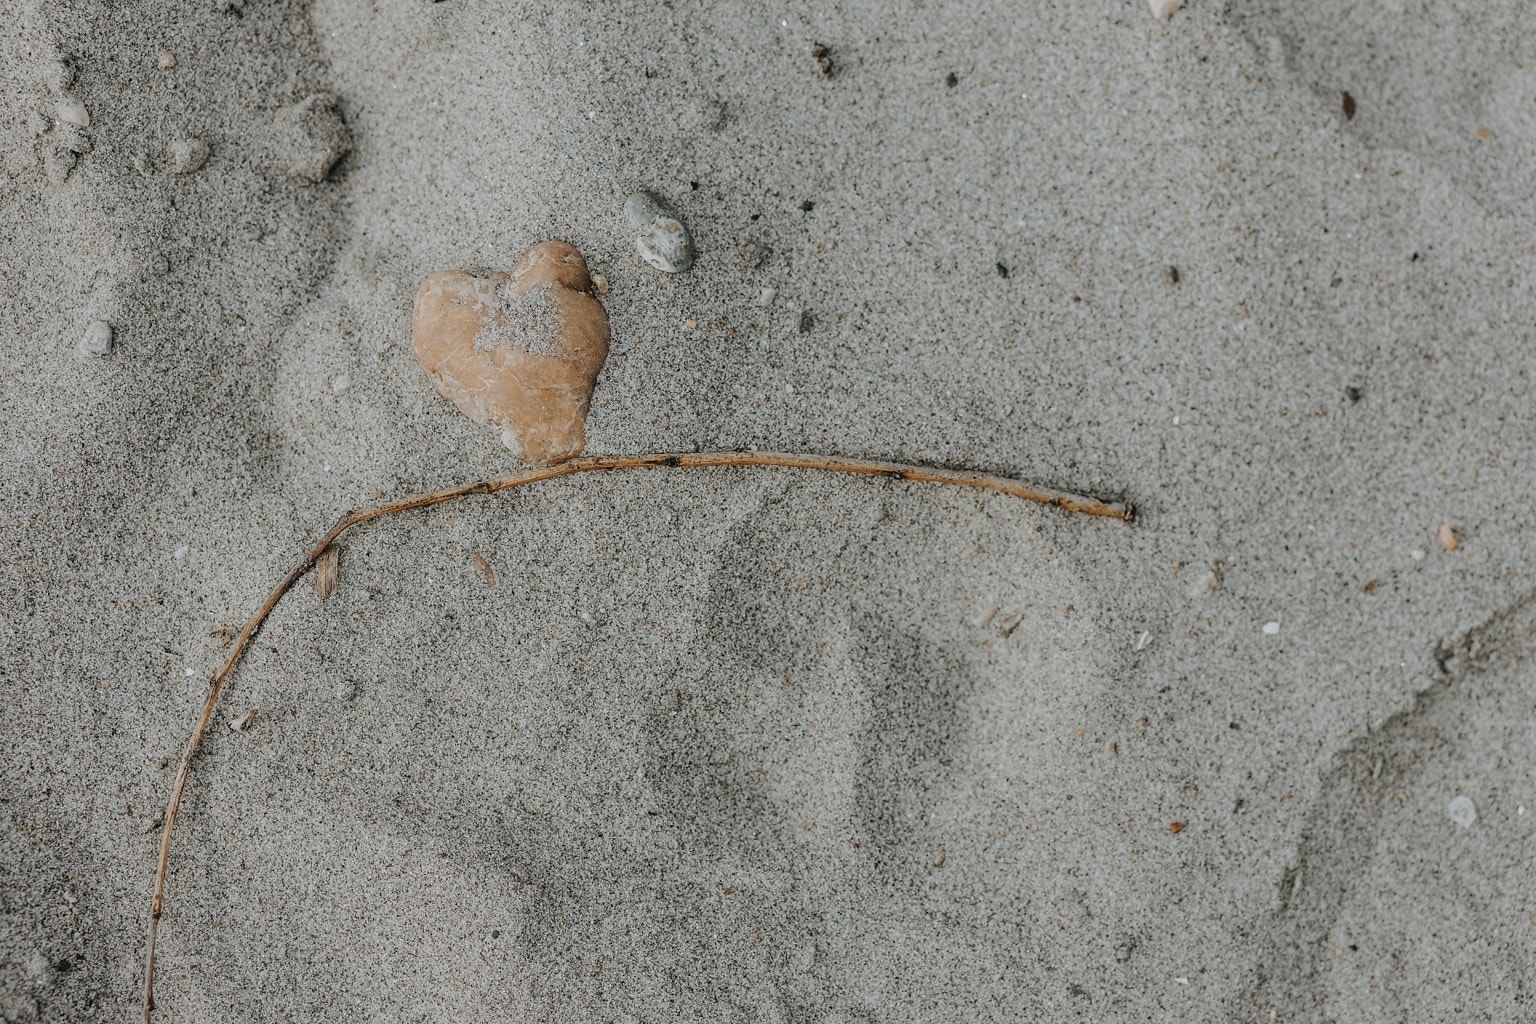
{"x": 591, "y": 463}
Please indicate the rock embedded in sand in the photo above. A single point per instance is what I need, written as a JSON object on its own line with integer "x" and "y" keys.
{"x": 663, "y": 241}
{"x": 312, "y": 137}
{"x": 188, "y": 155}
{"x": 95, "y": 339}
{"x": 520, "y": 351}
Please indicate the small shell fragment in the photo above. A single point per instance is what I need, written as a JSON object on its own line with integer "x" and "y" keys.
{"x": 485, "y": 567}
{"x": 1446, "y": 535}
{"x": 327, "y": 572}
{"x": 1162, "y": 10}
{"x": 1462, "y": 811}
{"x": 240, "y": 722}
{"x": 663, "y": 241}
{"x": 72, "y": 111}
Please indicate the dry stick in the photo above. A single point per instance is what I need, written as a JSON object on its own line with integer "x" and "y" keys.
{"x": 835, "y": 464}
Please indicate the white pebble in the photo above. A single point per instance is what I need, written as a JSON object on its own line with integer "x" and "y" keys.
{"x": 1162, "y": 10}
{"x": 341, "y": 383}
{"x": 181, "y": 552}
{"x": 766, "y": 296}
{"x": 663, "y": 242}
{"x": 167, "y": 60}
{"x": 1271, "y": 629}
{"x": 187, "y": 155}
{"x": 96, "y": 339}
{"x": 1462, "y": 811}
{"x": 1417, "y": 554}
{"x": 72, "y": 111}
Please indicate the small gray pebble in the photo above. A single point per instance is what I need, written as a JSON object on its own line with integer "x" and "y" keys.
{"x": 96, "y": 339}
{"x": 753, "y": 254}
{"x": 663, "y": 242}
{"x": 187, "y": 155}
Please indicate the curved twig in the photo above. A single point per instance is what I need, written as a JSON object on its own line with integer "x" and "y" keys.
{"x": 831, "y": 463}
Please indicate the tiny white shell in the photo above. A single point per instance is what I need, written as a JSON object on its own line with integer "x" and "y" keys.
{"x": 663, "y": 241}
{"x": 1162, "y": 10}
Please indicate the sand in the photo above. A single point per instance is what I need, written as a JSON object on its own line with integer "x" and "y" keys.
{"x": 761, "y": 745}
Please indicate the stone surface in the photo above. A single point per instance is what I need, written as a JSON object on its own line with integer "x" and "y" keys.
{"x": 519, "y": 351}
{"x": 95, "y": 339}
{"x": 188, "y": 155}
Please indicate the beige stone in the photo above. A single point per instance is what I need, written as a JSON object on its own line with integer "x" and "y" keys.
{"x": 519, "y": 351}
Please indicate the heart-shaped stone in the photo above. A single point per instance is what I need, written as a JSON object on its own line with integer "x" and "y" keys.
{"x": 520, "y": 351}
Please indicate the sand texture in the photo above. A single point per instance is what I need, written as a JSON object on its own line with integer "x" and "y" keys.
{"x": 767, "y": 745}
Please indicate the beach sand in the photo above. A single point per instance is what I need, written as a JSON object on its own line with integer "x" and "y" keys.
{"x": 766, "y": 745}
